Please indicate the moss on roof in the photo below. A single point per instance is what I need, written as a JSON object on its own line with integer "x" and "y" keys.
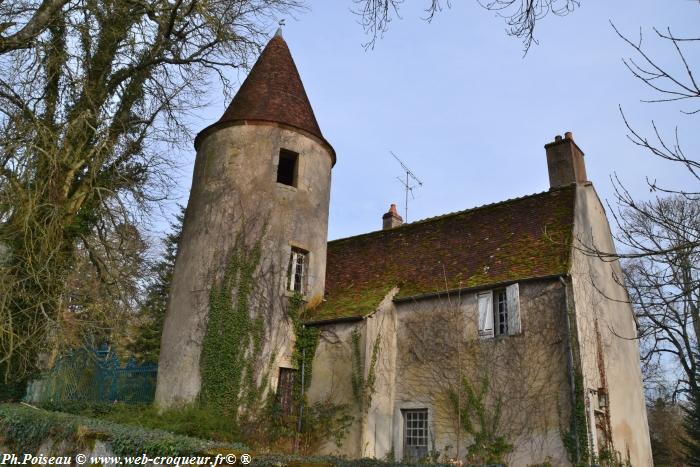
{"x": 515, "y": 239}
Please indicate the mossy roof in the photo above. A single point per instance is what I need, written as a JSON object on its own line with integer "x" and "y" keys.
{"x": 516, "y": 239}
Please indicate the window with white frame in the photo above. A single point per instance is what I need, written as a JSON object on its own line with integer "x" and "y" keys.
{"x": 296, "y": 275}
{"x": 499, "y": 311}
{"x": 415, "y": 434}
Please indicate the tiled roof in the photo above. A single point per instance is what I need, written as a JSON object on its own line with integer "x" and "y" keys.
{"x": 272, "y": 92}
{"x": 521, "y": 238}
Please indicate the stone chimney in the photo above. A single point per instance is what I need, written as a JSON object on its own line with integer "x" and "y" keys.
{"x": 565, "y": 161}
{"x": 391, "y": 219}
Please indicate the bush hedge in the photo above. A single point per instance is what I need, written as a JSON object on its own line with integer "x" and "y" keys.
{"x": 24, "y": 429}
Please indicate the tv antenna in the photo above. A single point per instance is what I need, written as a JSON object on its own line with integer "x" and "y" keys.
{"x": 410, "y": 183}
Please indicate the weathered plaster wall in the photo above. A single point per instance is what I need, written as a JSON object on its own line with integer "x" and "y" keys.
{"x": 335, "y": 363}
{"x": 332, "y": 379}
{"x": 377, "y": 424}
{"x": 438, "y": 343}
{"x": 607, "y": 330}
{"x": 234, "y": 191}
{"x": 426, "y": 346}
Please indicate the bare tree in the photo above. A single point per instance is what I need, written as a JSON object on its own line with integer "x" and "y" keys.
{"x": 674, "y": 85}
{"x": 662, "y": 236}
{"x": 665, "y": 288}
{"x": 93, "y": 97}
{"x": 520, "y": 16}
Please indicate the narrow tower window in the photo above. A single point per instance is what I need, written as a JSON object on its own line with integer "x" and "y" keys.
{"x": 287, "y": 167}
{"x": 297, "y": 270}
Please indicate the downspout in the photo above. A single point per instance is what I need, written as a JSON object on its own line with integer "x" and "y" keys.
{"x": 572, "y": 382}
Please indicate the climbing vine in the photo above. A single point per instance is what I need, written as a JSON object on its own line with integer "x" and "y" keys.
{"x": 233, "y": 340}
{"x": 309, "y": 425}
{"x": 481, "y": 420}
{"x": 363, "y": 386}
{"x": 306, "y": 342}
{"x": 231, "y": 358}
{"x": 576, "y": 438}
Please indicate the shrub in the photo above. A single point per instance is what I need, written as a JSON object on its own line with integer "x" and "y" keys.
{"x": 24, "y": 429}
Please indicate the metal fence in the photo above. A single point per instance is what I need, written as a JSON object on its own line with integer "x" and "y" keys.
{"x": 95, "y": 376}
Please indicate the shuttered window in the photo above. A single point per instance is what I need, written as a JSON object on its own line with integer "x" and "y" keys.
{"x": 499, "y": 312}
{"x": 485, "y": 300}
{"x": 513, "y": 300}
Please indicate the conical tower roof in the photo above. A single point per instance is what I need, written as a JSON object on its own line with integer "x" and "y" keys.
{"x": 273, "y": 92}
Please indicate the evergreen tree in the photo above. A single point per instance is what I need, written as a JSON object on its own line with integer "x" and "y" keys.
{"x": 145, "y": 345}
{"x": 691, "y": 423}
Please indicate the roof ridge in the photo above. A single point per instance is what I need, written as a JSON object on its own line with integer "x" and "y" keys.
{"x": 456, "y": 213}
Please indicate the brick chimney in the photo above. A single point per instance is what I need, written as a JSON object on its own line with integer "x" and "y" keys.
{"x": 391, "y": 219}
{"x": 565, "y": 161}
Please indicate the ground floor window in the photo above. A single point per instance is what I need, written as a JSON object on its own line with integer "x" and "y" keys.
{"x": 415, "y": 434}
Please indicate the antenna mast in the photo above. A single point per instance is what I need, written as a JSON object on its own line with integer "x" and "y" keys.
{"x": 408, "y": 187}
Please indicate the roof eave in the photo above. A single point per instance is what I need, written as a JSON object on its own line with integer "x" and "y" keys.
{"x": 476, "y": 288}
{"x": 346, "y": 319}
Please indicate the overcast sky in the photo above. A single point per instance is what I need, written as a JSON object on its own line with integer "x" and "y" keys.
{"x": 458, "y": 102}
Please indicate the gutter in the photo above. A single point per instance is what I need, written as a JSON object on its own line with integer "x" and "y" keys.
{"x": 476, "y": 288}
{"x": 347, "y": 319}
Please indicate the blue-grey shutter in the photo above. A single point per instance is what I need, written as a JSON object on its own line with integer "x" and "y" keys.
{"x": 485, "y": 301}
{"x": 513, "y": 300}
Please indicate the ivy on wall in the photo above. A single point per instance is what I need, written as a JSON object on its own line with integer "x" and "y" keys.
{"x": 481, "y": 420}
{"x": 231, "y": 356}
{"x": 233, "y": 340}
{"x": 311, "y": 424}
{"x": 305, "y": 344}
{"x": 576, "y": 437}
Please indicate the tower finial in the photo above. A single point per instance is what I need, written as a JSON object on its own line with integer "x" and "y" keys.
{"x": 279, "y": 29}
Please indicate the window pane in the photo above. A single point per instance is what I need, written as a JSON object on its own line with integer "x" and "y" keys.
{"x": 415, "y": 433}
{"x": 500, "y": 311}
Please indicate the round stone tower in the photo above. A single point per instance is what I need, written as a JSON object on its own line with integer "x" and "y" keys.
{"x": 261, "y": 180}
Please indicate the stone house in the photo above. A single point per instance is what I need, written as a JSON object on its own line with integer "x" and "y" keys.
{"x": 490, "y": 323}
